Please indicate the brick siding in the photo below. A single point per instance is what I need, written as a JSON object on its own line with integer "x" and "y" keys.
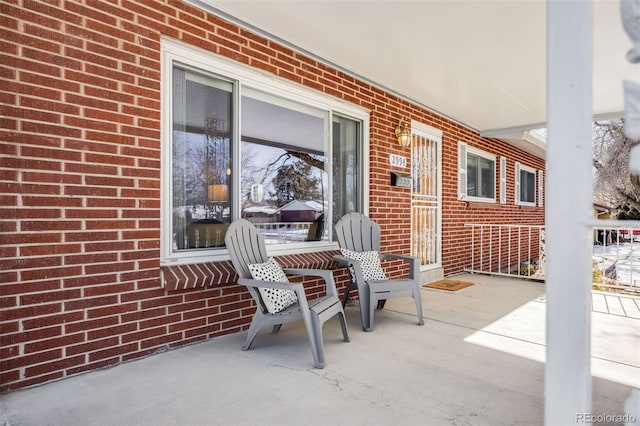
{"x": 81, "y": 283}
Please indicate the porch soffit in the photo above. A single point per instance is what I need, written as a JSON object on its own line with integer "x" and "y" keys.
{"x": 481, "y": 63}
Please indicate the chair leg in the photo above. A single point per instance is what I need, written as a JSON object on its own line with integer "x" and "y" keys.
{"x": 346, "y": 297}
{"x": 350, "y": 287}
{"x": 371, "y": 308}
{"x": 381, "y": 303}
{"x": 310, "y": 320}
{"x": 317, "y": 335}
{"x": 366, "y": 311}
{"x": 343, "y": 324}
{"x": 418, "y": 300}
{"x": 276, "y": 328}
{"x": 256, "y": 325}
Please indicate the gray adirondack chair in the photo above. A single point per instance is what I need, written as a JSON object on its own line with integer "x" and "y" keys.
{"x": 357, "y": 232}
{"x": 246, "y": 246}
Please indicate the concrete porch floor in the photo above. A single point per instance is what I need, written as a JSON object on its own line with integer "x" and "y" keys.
{"x": 477, "y": 361}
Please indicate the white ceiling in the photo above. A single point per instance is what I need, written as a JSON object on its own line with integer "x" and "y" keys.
{"x": 479, "y": 62}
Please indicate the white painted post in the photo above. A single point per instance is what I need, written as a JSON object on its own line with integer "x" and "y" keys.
{"x": 568, "y": 210}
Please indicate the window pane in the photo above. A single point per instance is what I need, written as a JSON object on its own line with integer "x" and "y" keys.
{"x": 480, "y": 176}
{"x": 487, "y": 178}
{"x": 347, "y": 135}
{"x": 527, "y": 186}
{"x": 202, "y": 123}
{"x": 472, "y": 175}
{"x": 284, "y": 185}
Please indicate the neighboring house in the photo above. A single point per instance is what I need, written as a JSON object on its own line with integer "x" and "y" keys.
{"x": 260, "y": 214}
{"x": 300, "y": 211}
{"x": 603, "y": 236}
{"x": 115, "y": 118}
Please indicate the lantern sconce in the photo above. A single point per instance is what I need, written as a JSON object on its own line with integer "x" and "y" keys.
{"x": 403, "y": 133}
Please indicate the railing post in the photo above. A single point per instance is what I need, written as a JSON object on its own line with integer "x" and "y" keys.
{"x": 529, "y": 253}
{"x": 481, "y": 246}
{"x": 519, "y": 248}
{"x": 499, "y": 249}
{"x": 631, "y": 255}
{"x": 490, "y": 248}
{"x": 509, "y": 255}
{"x": 473, "y": 249}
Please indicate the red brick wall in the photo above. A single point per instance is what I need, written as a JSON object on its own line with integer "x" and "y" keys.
{"x": 80, "y": 178}
{"x": 456, "y": 238}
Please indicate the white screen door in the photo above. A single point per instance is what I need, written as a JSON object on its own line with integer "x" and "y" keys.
{"x": 426, "y": 195}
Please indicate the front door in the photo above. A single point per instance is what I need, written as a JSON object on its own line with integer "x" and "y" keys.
{"x": 426, "y": 215}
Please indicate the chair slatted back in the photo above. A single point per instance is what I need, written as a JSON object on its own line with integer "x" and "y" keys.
{"x": 246, "y": 245}
{"x": 356, "y": 232}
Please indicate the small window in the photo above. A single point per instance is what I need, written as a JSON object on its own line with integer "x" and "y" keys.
{"x": 525, "y": 188}
{"x": 477, "y": 174}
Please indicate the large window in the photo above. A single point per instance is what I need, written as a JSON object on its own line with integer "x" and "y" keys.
{"x": 201, "y": 168}
{"x": 348, "y": 167}
{"x": 477, "y": 174}
{"x": 284, "y": 183}
{"x": 243, "y": 146}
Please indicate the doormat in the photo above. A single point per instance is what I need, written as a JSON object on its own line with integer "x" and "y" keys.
{"x": 448, "y": 285}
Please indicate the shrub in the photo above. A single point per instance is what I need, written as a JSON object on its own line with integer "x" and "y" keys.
{"x": 527, "y": 269}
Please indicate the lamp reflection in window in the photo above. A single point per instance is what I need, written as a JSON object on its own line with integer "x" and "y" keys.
{"x": 218, "y": 194}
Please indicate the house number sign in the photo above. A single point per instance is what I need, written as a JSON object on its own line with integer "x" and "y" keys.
{"x": 397, "y": 160}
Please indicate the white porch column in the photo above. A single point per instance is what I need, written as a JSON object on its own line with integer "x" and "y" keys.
{"x": 568, "y": 210}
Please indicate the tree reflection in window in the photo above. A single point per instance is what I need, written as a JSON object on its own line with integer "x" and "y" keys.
{"x": 294, "y": 190}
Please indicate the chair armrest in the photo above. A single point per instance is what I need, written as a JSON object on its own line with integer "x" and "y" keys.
{"x": 353, "y": 265}
{"x": 255, "y": 284}
{"x": 414, "y": 263}
{"x": 342, "y": 260}
{"x": 397, "y": 256}
{"x": 250, "y": 282}
{"x": 325, "y": 274}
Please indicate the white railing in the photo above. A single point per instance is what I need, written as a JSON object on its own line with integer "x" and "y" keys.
{"x": 205, "y": 235}
{"x": 284, "y": 232}
{"x": 616, "y": 257}
{"x": 519, "y": 250}
{"x": 510, "y": 250}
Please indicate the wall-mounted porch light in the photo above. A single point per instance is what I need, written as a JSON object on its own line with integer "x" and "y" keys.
{"x": 403, "y": 133}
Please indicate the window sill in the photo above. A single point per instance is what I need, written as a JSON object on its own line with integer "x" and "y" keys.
{"x": 222, "y": 255}
{"x": 221, "y": 272}
{"x": 480, "y": 200}
{"x": 483, "y": 205}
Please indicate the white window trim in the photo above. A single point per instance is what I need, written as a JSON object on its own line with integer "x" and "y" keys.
{"x": 174, "y": 51}
{"x": 519, "y": 167}
{"x": 540, "y": 188}
{"x": 503, "y": 180}
{"x": 462, "y": 171}
{"x": 426, "y": 131}
{"x": 516, "y": 186}
{"x": 463, "y": 151}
